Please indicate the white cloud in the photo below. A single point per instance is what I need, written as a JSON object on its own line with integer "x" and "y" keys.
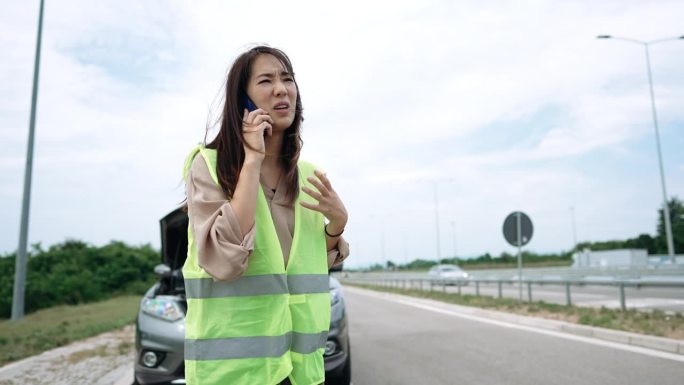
{"x": 396, "y": 94}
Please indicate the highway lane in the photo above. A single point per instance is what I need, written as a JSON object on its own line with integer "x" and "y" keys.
{"x": 666, "y": 299}
{"x": 395, "y": 343}
{"x": 648, "y": 298}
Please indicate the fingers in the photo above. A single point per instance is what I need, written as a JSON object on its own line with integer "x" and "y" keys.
{"x": 257, "y": 121}
{"x": 320, "y": 208}
{"x": 310, "y": 206}
{"x": 256, "y": 117}
{"x": 324, "y": 179}
{"x": 314, "y": 194}
{"x": 321, "y": 188}
{"x": 264, "y": 126}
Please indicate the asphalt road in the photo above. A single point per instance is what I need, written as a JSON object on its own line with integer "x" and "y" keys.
{"x": 397, "y": 343}
{"x": 666, "y": 299}
{"x": 649, "y": 298}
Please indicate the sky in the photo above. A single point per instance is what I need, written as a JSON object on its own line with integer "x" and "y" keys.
{"x": 465, "y": 109}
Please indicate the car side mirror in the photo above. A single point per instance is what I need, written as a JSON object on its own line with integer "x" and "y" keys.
{"x": 162, "y": 270}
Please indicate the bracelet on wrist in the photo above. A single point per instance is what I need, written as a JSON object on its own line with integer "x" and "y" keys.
{"x": 325, "y": 228}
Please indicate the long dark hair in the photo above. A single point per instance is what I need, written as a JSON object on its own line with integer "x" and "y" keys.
{"x": 229, "y": 143}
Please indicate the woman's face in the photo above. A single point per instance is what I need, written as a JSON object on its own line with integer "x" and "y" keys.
{"x": 272, "y": 88}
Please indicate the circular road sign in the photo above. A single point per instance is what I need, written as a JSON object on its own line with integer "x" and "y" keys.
{"x": 510, "y": 228}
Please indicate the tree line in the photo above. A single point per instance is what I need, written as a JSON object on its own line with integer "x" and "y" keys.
{"x": 654, "y": 244}
{"x": 75, "y": 272}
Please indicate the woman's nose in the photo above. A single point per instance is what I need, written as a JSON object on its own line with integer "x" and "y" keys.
{"x": 279, "y": 88}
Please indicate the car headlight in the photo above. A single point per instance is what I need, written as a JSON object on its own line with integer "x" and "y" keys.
{"x": 335, "y": 296}
{"x": 330, "y": 348}
{"x": 162, "y": 308}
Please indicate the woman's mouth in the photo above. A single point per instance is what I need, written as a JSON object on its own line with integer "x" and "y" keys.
{"x": 282, "y": 107}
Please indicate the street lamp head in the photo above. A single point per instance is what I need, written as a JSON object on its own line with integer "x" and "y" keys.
{"x": 603, "y": 37}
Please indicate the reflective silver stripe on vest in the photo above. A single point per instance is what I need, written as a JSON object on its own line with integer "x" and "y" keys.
{"x": 253, "y": 347}
{"x": 308, "y": 343}
{"x": 238, "y": 347}
{"x": 308, "y": 283}
{"x": 270, "y": 284}
{"x": 245, "y": 286}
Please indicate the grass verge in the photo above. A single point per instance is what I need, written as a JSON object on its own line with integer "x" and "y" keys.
{"x": 655, "y": 323}
{"x": 60, "y": 325}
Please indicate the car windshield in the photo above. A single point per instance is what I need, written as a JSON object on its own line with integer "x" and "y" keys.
{"x": 449, "y": 269}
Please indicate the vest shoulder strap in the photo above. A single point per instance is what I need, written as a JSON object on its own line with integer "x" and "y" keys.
{"x": 188, "y": 161}
{"x": 306, "y": 169}
{"x": 209, "y": 156}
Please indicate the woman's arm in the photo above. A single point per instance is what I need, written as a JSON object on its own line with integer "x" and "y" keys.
{"x": 339, "y": 253}
{"x": 256, "y": 125}
{"x": 224, "y": 231}
{"x": 245, "y": 195}
{"x": 222, "y": 247}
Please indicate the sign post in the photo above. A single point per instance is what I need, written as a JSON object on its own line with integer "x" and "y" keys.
{"x": 517, "y": 230}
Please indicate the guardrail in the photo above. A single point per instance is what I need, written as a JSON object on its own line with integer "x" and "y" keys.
{"x": 424, "y": 283}
{"x": 570, "y": 273}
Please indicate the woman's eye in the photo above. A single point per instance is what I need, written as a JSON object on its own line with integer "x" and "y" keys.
{"x": 288, "y": 79}
{"x": 264, "y": 81}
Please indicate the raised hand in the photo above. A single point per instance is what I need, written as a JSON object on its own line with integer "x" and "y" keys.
{"x": 256, "y": 125}
{"x": 329, "y": 203}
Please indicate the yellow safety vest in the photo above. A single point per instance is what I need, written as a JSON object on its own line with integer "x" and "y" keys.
{"x": 272, "y": 322}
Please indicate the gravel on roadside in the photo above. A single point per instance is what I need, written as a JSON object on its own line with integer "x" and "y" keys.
{"x": 99, "y": 360}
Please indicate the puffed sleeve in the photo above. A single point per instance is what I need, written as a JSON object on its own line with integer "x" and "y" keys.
{"x": 221, "y": 250}
{"x": 339, "y": 253}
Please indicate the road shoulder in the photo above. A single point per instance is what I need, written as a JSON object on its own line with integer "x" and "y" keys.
{"x": 638, "y": 341}
{"x": 100, "y": 360}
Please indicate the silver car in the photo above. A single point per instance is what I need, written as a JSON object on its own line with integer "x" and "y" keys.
{"x": 160, "y": 325}
{"x": 450, "y": 273}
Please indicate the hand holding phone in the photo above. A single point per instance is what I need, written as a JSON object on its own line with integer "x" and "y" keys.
{"x": 249, "y": 104}
{"x": 253, "y": 122}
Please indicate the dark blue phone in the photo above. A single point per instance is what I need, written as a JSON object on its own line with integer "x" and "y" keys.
{"x": 249, "y": 104}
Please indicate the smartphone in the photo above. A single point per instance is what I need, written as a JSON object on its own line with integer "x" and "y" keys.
{"x": 249, "y": 104}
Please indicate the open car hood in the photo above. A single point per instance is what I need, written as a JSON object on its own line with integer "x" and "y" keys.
{"x": 174, "y": 238}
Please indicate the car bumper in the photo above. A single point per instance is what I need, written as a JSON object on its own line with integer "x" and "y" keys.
{"x": 339, "y": 334}
{"x": 166, "y": 339}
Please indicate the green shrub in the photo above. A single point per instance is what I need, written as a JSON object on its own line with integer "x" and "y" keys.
{"x": 74, "y": 272}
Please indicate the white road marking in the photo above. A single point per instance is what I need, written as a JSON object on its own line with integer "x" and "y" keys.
{"x": 614, "y": 345}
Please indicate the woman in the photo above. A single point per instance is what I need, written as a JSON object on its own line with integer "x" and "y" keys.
{"x": 259, "y": 250}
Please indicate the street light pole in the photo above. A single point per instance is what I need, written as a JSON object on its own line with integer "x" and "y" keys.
{"x": 666, "y": 208}
{"x": 20, "y": 262}
{"x": 453, "y": 230}
{"x": 439, "y": 257}
{"x": 435, "y": 183}
{"x": 574, "y": 228}
{"x": 575, "y": 249}
{"x": 382, "y": 241}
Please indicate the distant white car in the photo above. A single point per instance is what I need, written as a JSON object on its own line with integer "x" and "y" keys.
{"x": 450, "y": 272}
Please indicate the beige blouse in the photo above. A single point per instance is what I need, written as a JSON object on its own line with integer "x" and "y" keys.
{"x": 222, "y": 252}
